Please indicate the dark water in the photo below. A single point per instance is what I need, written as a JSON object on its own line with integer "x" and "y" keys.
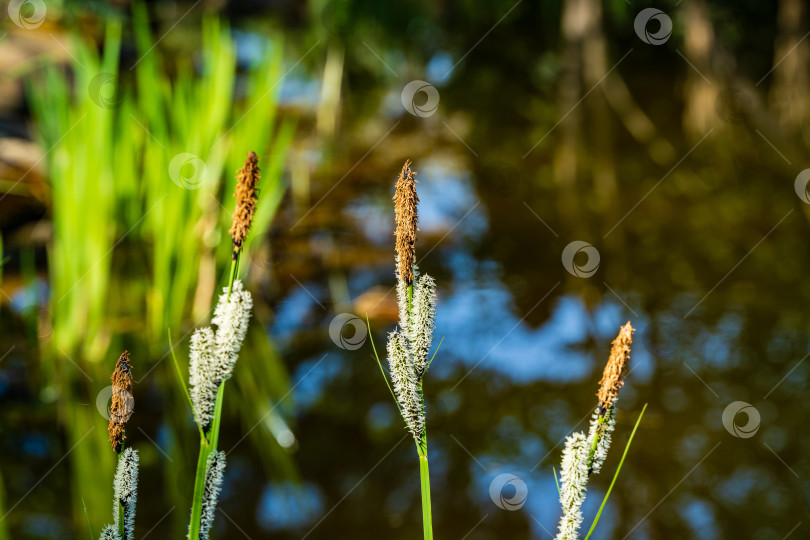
{"x": 702, "y": 245}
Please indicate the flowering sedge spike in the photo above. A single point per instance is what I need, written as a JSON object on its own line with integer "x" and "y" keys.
{"x": 604, "y": 419}
{"x": 406, "y": 385}
{"x": 125, "y": 490}
{"x": 616, "y": 367}
{"x": 406, "y": 217}
{"x": 573, "y": 479}
{"x": 231, "y": 317}
{"x": 122, "y": 403}
{"x": 215, "y": 468}
{"x": 423, "y": 322}
{"x": 212, "y": 355}
{"x": 203, "y": 383}
{"x": 109, "y": 533}
{"x": 247, "y": 178}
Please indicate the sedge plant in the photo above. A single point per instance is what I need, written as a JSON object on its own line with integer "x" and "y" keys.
{"x": 128, "y": 236}
{"x": 585, "y": 455}
{"x": 212, "y": 357}
{"x": 409, "y": 345}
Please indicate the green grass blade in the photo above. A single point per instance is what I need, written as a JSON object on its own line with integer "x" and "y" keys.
{"x": 427, "y": 367}
{"x": 385, "y": 378}
{"x": 183, "y": 383}
{"x": 616, "y": 474}
{"x": 554, "y": 472}
{"x": 86, "y": 517}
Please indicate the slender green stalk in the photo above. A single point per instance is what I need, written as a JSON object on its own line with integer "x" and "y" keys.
{"x": 616, "y": 474}
{"x": 199, "y": 488}
{"x": 86, "y": 517}
{"x": 424, "y": 476}
{"x": 234, "y": 267}
{"x": 121, "y": 527}
{"x": 595, "y": 442}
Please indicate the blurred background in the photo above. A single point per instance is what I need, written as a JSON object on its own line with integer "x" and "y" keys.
{"x": 581, "y": 164}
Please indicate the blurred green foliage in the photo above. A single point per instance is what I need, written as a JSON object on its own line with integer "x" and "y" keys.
{"x": 141, "y": 164}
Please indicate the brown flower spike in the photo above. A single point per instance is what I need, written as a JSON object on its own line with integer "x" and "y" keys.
{"x": 406, "y": 216}
{"x": 247, "y": 178}
{"x": 122, "y": 402}
{"x": 616, "y": 368}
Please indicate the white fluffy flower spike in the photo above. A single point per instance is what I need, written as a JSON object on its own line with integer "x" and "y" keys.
{"x": 406, "y": 385}
{"x": 573, "y": 479}
{"x": 231, "y": 317}
{"x": 423, "y": 322}
{"x": 109, "y": 533}
{"x": 125, "y": 489}
{"x": 213, "y": 354}
{"x": 202, "y": 381}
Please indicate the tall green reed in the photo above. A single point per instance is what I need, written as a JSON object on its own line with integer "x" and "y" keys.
{"x": 584, "y": 455}
{"x": 213, "y": 357}
{"x": 111, "y": 133}
{"x": 409, "y": 346}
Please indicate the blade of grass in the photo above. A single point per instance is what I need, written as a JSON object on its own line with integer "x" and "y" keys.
{"x": 616, "y": 474}
{"x": 554, "y": 472}
{"x": 86, "y": 517}
{"x": 427, "y": 367}
{"x": 385, "y": 378}
{"x": 183, "y": 383}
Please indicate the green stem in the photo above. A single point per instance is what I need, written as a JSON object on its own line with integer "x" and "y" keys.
{"x": 234, "y": 269}
{"x": 616, "y": 474}
{"x": 424, "y": 475}
{"x": 199, "y": 489}
{"x": 207, "y": 446}
{"x": 595, "y": 441}
{"x": 121, "y": 525}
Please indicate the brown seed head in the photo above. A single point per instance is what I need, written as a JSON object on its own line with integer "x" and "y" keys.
{"x": 247, "y": 178}
{"x": 406, "y": 216}
{"x": 122, "y": 403}
{"x": 616, "y": 368}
